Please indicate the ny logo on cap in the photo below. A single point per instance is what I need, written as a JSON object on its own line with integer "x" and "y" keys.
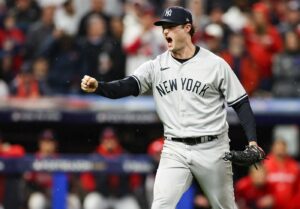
{"x": 168, "y": 13}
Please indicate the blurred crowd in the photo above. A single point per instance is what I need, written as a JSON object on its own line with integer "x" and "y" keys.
{"x": 46, "y": 46}
{"x": 87, "y": 190}
{"x": 272, "y": 184}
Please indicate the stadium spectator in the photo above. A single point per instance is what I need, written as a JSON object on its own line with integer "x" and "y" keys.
{"x": 65, "y": 64}
{"x": 81, "y": 7}
{"x": 117, "y": 29}
{"x": 110, "y": 190}
{"x": 24, "y": 84}
{"x": 200, "y": 19}
{"x": 101, "y": 55}
{"x": 97, "y": 8}
{"x": 66, "y": 18}
{"x": 216, "y": 17}
{"x": 26, "y": 13}
{"x": 39, "y": 184}
{"x": 241, "y": 63}
{"x": 12, "y": 41}
{"x": 253, "y": 191}
{"x": 145, "y": 42}
{"x": 6, "y": 68}
{"x": 224, "y": 5}
{"x": 114, "y": 8}
{"x": 39, "y": 31}
{"x": 32, "y": 81}
{"x": 291, "y": 20}
{"x": 286, "y": 75}
{"x": 132, "y": 25}
{"x": 262, "y": 41}
{"x": 282, "y": 174}
{"x": 40, "y": 69}
{"x": 237, "y": 11}
{"x": 10, "y": 150}
{"x": 212, "y": 38}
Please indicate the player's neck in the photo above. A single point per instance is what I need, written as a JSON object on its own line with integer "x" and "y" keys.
{"x": 185, "y": 53}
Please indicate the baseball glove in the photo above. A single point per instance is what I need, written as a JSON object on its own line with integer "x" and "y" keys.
{"x": 251, "y": 155}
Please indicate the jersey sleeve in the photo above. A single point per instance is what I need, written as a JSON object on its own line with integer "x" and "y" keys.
{"x": 143, "y": 75}
{"x": 229, "y": 84}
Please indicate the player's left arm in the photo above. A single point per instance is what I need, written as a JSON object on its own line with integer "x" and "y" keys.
{"x": 237, "y": 98}
{"x": 247, "y": 119}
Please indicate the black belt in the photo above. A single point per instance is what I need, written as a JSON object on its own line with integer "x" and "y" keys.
{"x": 193, "y": 140}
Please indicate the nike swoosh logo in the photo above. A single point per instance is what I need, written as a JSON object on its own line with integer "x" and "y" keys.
{"x": 164, "y": 68}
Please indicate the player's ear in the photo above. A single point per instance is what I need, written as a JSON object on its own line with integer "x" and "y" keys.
{"x": 187, "y": 27}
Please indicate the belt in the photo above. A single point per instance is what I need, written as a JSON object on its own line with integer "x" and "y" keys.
{"x": 193, "y": 140}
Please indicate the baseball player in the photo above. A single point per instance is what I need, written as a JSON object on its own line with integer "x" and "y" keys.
{"x": 191, "y": 87}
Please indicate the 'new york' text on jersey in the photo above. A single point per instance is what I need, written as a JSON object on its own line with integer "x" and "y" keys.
{"x": 190, "y": 97}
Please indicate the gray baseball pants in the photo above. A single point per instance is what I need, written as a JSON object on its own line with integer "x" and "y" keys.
{"x": 179, "y": 163}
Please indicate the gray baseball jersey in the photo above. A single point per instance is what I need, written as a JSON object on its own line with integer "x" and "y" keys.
{"x": 191, "y": 97}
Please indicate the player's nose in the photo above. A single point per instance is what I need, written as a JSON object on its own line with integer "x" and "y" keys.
{"x": 165, "y": 31}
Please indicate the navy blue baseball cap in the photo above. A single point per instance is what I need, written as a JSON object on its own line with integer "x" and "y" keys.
{"x": 175, "y": 15}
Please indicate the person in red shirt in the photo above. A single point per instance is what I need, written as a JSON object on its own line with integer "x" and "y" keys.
{"x": 12, "y": 41}
{"x": 39, "y": 184}
{"x": 283, "y": 174}
{"x": 10, "y": 150}
{"x": 10, "y": 183}
{"x": 110, "y": 190}
{"x": 262, "y": 41}
{"x": 253, "y": 191}
{"x": 25, "y": 85}
{"x": 295, "y": 202}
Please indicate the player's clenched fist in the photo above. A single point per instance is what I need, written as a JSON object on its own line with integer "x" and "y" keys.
{"x": 89, "y": 84}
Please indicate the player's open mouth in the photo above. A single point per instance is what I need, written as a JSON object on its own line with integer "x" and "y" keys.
{"x": 169, "y": 40}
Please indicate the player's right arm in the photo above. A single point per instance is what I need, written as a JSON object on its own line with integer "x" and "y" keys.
{"x": 89, "y": 84}
{"x": 138, "y": 83}
{"x": 114, "y": 89}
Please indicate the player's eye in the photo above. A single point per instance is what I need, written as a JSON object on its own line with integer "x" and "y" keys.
{"x": 168, "y": 26}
